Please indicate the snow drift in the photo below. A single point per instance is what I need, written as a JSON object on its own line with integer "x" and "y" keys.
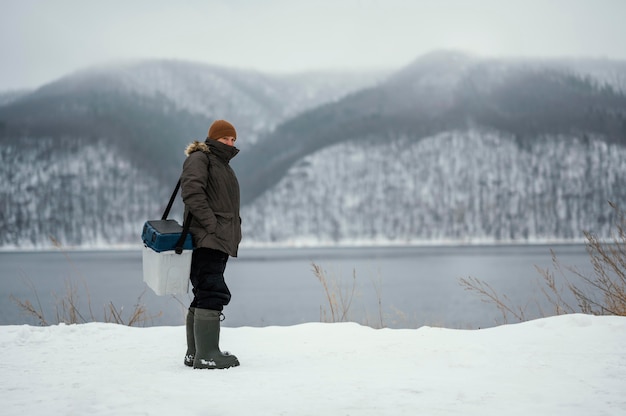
{"x": 572, "y": 364}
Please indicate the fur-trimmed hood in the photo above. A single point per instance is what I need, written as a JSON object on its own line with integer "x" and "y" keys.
{"x": 197, "y": 146}
{"x": 214, "y": 147}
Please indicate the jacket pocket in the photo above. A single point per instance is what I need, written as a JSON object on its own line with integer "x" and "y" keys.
{"x": 224, "y": 227}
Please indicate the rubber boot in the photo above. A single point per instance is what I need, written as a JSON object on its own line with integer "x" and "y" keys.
{"x": 191, "y": 342}
{"x": 206, "y": 328}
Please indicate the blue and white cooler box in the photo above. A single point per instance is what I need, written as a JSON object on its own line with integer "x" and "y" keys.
{"x": 164, "y": 271}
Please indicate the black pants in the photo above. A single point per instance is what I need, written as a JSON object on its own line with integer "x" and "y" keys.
{"x": 207, "y": 278}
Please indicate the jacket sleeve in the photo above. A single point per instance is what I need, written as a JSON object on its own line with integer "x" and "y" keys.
{"x": 194, "y": 181}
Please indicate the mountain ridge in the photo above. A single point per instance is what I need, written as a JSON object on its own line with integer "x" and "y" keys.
{"x": 504, "y": 95}
{"x": 134, "y": 121}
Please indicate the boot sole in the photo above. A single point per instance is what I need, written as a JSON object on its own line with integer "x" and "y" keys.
{"x": 212, "y": 365}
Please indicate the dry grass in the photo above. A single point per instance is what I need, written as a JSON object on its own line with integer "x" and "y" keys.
{"x": 489, "y": 295}
{"x": 29, "y": 308}
{"x": 338, "y": 299}
{"x": 138, "y": 316}
{"x": 70, "y": 310}
{"x": 600, "y": 293}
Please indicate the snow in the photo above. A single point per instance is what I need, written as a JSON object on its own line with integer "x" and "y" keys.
{"x": 565, "y": 365}
{"x": 468, "y": 186}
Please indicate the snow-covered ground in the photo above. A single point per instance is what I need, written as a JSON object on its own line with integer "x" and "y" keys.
{"x": 566, "y": 365}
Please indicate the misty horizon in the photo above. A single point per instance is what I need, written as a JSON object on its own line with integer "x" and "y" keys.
{"x": 43, "y": 41}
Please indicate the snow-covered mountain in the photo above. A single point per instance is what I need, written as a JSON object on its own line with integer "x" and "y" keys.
{"x": 450, "y": 148}
{"x": 254, "y": 101}
{"x": 440, "y": 92}
{"x": 7, "y": 97}
{"x": 473, "y": 186}
{"x": 85, "y": 160}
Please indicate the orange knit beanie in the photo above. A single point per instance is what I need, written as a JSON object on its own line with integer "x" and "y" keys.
{"x": 221, "y": 128}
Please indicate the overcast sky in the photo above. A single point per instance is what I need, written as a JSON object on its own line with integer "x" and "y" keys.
{"x": 41, "y": 40}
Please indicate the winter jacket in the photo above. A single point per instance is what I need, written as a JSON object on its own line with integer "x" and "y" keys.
{"x": 210, "y": 190}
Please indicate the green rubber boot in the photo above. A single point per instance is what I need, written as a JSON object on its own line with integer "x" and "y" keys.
{"x": 206, "y": 328}
{"x": 191, "y": 342}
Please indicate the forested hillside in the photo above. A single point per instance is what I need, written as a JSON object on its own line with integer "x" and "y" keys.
{"x": 473, "y": 186}
{"x": 451, "y": 148}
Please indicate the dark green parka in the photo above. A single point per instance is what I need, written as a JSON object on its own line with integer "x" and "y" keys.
{"x": 210, "y": 190}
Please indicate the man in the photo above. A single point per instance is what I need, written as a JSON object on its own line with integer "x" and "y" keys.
{"x": 210, "y": 191}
